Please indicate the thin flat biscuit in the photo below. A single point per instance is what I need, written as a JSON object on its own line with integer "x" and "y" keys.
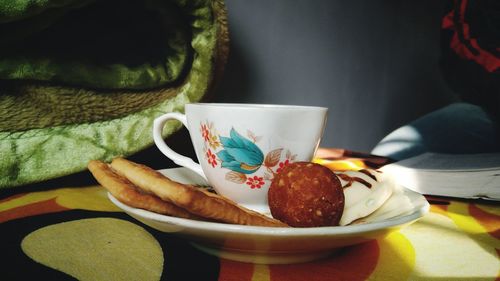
{"x": 122, "y": 189}
{"x": 192, "y": 199}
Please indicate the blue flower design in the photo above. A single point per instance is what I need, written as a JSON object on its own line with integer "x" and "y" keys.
{"x": 240, "y": 154}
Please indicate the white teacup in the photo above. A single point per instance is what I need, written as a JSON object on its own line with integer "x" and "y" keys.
{"x": 242, "y": 146}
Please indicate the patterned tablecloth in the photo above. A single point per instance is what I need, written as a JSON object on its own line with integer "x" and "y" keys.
{"x": 64, "y": 231}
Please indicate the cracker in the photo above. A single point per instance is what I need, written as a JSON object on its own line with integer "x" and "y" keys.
{"x": 192, "y": 199}
{"x": 125, "y": 191}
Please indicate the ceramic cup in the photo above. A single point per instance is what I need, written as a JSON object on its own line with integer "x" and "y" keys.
{"x": 240, "y": 147}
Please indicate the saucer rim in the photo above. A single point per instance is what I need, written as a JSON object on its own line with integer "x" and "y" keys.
{"x": 418, "y": 212}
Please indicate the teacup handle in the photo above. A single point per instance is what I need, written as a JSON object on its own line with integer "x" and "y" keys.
{"x": 178, "y": 159}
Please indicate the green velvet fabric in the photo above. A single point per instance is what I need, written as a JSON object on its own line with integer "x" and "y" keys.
{"x": 83, "y": 80}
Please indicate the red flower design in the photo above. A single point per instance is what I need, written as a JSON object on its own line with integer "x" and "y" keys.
{"x": 205, "y": 132}
{"x": 255, "y": 182}
{"x": 282, "y": 165}
{"x": 211, "y": 158}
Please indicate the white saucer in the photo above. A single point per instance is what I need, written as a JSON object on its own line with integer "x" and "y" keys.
{"x": 270, "y": 245}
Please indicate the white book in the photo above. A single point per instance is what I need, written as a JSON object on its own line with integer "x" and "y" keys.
{"x": 454, "y": 175}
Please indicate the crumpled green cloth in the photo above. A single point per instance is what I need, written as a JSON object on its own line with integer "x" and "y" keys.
{"x": 83, "y": 80}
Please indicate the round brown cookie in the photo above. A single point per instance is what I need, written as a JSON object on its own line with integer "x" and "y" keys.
{"x": 306, "y": 194}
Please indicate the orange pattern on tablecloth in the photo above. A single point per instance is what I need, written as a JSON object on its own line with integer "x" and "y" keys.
{"x": 438, "y": 205}
{"x": 235, "y": 271}
{"x": 42, "y": 202}
{"x": 490, "y": 222}
{"x": 498, "y": 275}
{"x": 12, "y": 197}
{"x": 440, "y": 209}
{"x": 86, "y": 198}
{"x": 352, "y": 263}
{"x": 38, "y": 208}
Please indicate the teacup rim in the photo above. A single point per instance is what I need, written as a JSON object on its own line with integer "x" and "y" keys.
{"x": 258, "y": 105}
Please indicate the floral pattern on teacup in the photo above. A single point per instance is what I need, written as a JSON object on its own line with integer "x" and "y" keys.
{"x": 242, "y": 156}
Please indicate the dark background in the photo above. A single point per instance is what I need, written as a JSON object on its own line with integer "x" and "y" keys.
{"x": 374, "y": 64}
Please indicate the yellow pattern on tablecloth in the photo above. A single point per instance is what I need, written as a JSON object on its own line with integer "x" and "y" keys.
{"x": 97, "y": 249}
{"x": 396, "y": 260}
{"x": 91, "y": 198}
{"x": 444, "y": 251}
